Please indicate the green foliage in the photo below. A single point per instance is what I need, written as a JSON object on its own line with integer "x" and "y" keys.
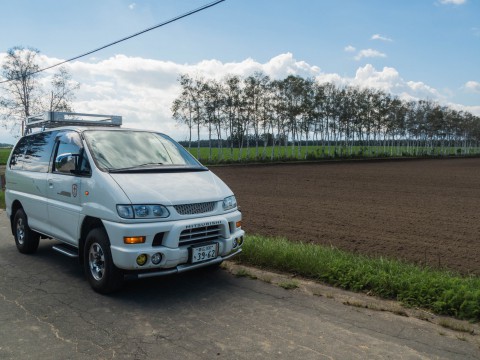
{"x": 440, "y": 291}
{"x": 2, "y": 199}
{"x": 313, "y": 153}
{"x": 245, "y": 273}
{"x": 288, "y": 285}
{"x": 4, "y": 153}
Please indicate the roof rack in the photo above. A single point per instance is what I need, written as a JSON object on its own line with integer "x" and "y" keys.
{"x": 53, "y": 119}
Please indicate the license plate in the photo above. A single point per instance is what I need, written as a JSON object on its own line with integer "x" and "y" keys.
{"x": 204, "y": 252}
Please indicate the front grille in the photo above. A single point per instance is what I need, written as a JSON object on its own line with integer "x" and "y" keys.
{"x": 192, "y": 209}
{"x": 200, "y": 234}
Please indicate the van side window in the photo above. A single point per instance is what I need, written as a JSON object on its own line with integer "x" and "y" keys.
{"x": 16, "y": 161}
{"x": 39, "y": 151}
{"x": 69, "y": 158}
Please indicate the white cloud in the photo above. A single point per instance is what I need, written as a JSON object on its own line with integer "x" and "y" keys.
{"x": 380, "y": 37}
{"x": 132, "y": 6}
{"x": 453, "y": 2}
{"x": 472, "y": 86}
{"x": 425, "y": 91}
{"x": 369, "y": 53}
{"x": 349, "y": 48}
{"x": 388, "y": 79}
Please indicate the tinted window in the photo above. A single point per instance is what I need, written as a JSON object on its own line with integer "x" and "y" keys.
{"x": 39, "y": 151}
{"x": 16, "y": 161}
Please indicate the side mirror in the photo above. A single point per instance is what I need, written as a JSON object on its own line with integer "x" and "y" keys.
{"x": 66, "y": 163}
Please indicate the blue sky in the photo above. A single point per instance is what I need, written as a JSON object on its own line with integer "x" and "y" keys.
{"x": 414, "y": 48}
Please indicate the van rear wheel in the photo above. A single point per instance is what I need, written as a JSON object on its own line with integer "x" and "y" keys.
{"x": 25, "y": 238}
{"x": 102, "y": 274}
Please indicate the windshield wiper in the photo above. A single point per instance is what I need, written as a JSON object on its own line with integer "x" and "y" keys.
{"x": 136, "y": 167}
{"x": 149, "y": 164}
{"x": 164, "y": 168}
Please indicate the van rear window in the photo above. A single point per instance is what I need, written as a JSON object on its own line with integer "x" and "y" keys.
{"x": 33, "y": 152}
{"x": 16, "y": 161}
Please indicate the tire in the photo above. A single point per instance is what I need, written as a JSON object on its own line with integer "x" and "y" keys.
{"x": 102, "y": 274}
{"x": 25, "y": 238}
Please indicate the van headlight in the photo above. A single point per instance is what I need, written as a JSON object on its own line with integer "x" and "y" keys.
{"x": 142, "y": 211}
{"x": 229, "y": 203}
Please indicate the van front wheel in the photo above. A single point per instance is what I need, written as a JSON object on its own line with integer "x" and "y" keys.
{"x": 102, "y": 274}
{"x": 25, "y": 238}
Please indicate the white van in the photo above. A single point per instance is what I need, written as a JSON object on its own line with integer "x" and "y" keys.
{"x": 126, "y": 202}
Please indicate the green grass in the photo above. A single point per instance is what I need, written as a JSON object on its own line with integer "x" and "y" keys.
{"x": 455, "y": 325}
{"x": 288, "y": 285}
{"x": 4, "y": 155}
{"x": 443, "y": 292}
{"x": 245, "y": 273}
{"x": 306, "y": 153}
{"x": 225, "y": 155}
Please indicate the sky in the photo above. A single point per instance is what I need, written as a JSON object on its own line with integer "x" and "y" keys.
{"x": 416, "y": 49}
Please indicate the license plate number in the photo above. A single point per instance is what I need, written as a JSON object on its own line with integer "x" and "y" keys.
{"x": 204, "y": 252}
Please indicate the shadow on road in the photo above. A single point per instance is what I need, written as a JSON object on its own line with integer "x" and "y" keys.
{"x": 150, "y": 292}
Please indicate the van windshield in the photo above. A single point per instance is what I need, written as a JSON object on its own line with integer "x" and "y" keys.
{"x": 138, "y": 151}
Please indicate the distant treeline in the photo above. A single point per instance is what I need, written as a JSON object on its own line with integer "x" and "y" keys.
{"x": 256, "y": 112}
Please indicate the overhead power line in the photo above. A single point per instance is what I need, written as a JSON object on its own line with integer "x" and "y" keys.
{"x": 176, "y": 18}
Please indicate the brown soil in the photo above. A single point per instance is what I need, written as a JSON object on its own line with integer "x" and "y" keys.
{"x": 422, "y": 211}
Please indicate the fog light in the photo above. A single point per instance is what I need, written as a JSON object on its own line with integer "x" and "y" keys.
{"x": 142, "y": 259}
{"x": 235, "y": 243}
{"x": 240, "y": 241}
{"x": 156, "y": 258}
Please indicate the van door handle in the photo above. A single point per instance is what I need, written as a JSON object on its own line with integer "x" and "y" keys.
{"x": 50, "y": 184}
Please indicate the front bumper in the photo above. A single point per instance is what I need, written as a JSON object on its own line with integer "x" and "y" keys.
{"x": 175, "y": 255}
{"x": 181, "y": 268}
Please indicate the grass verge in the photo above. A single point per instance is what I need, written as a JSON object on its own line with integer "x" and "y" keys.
{"x": 4, "y": 153}
{"x": 2, "y": 199}
{"x": 443, "y": 292}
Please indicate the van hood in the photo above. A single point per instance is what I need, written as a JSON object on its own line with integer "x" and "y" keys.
{"x": 172, "y": 188}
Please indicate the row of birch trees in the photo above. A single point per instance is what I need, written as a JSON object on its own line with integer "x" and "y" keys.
{"x": 298, "y": 117}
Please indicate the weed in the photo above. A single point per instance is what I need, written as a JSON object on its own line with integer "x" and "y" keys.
{"x": 288, "y": 285}
{"x": 355, "y": 303}
{"x": 400, "y": 312}
{"x": 245, "y": 273}
{"x": 267, "y": 279}
{"x": 455, "y": 325}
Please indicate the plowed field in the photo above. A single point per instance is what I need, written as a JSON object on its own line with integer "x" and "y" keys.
{"x": 422, "y": 211}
